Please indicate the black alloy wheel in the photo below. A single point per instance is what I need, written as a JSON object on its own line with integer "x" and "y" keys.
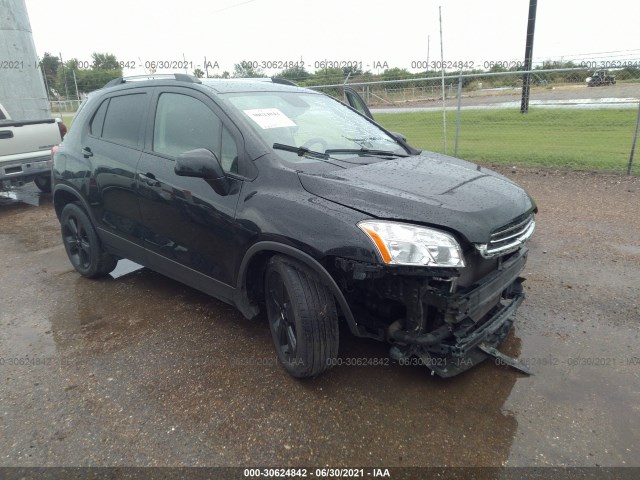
{"x": 82, "y": 244}
{"x": 302, "y": 317}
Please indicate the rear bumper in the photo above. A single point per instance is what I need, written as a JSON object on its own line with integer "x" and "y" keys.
{"x": 22, "y": 171}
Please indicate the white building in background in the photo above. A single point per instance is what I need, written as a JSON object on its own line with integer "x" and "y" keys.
{"x": 22, "y": 89}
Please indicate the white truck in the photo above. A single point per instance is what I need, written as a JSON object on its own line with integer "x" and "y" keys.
{"x": 25, "y": 150}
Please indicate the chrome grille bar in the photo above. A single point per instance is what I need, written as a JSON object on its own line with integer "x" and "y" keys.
{"x": 508, "y": 239}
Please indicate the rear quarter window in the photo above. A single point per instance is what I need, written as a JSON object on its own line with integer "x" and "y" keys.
{"x": 123, "y": 120}
{"x": 95, "y": 126}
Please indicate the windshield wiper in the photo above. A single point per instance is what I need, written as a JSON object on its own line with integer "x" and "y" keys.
{"x": 301, "y": 151}
{"x": 366, "y": 151}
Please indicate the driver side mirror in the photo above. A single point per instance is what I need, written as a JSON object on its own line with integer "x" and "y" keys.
{"x": 202, "y": 163}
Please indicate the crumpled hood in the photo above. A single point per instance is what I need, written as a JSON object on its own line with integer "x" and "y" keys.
{"x": 429, "y": 189}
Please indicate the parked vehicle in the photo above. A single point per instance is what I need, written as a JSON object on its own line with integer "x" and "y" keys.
{"x": 281, "y": 199}
{"x": 25, "y": 150}
{"x": 600, "y": 77}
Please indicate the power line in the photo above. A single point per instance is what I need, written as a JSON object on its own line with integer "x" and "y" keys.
{"x": 233, "y": 6}
{"x": 620, "y": 53}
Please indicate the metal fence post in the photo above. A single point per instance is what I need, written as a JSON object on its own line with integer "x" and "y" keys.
{"x": 633, "y": 145}
{"x": 444, "y": 108}
{"x": 528, "y": 53}
{"x": 455, "y": 154}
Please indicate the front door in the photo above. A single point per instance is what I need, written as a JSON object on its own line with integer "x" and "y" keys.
{"x": 188, "y": 228}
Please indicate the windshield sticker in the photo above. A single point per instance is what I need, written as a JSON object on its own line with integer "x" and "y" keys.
{"x": 269, "y": 118}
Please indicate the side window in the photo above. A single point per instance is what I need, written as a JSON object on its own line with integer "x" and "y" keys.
{"x": 229, "y": 153}
{"x": 124, "y": 119}
{"x": 184, "y": 123}
{"x": 95, "y": 127}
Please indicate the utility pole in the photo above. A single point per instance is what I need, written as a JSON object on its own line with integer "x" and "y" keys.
{"x": 64, "y": 75}
{"x": 75, "y": 81}
{"x": 528, "y": 54}
{"x": 428, "y": 47}
{"x": 444, "y": 109}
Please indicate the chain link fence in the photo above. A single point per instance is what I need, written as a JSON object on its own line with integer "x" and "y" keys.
{"x": 575, "y": 118}
{"x": 64, "y": 106}
{"x": 569, "y": 123}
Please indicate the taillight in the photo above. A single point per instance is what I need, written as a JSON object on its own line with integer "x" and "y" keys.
{"x": 55, "y": 148}
{"x": 63, "y": 129}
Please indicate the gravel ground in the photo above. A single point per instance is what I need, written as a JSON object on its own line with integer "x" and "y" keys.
{"x": 143, "y": 371}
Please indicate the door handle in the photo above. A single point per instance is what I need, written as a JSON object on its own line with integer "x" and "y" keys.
{"x": 86, "y": 151}
{"x": 148, "y": 178}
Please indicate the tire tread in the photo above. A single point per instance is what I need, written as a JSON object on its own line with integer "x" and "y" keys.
{"x": 315, "y": 306}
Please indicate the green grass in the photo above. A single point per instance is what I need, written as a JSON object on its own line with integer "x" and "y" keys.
{"x": 67, "y": 118}
{"x": 571, "y": 139}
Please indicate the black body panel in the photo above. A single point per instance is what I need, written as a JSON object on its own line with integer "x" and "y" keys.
{"x": 219, "y": 240}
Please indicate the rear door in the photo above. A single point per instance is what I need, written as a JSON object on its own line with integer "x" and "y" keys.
{"x": 189, "y": 230}
{"x": 110, "y": 149}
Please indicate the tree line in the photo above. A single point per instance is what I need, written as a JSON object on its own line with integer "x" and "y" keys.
{"x": 74, "y": 78}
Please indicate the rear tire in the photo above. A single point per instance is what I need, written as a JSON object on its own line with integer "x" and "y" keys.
{"x": 82, "y": 244}
{"x": 43, "y": 183}
{"x": 302, "y": 317}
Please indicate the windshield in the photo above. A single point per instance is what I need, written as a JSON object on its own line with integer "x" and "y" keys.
{"x": 312, "y": 121}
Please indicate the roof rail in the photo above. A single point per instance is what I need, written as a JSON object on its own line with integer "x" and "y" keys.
{"x": 181, "y": 77}
{"x": 283, "y": 81}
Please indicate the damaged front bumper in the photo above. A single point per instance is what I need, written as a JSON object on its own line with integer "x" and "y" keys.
{"x": 451, "y": 330}
{"x": 454, "y": 347}
{"x": 458, "y": 349}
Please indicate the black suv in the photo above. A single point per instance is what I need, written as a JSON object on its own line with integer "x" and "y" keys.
{"x": 266, "y": 195}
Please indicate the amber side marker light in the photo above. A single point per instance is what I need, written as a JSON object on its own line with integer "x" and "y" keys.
{"x": 382, "y": 248}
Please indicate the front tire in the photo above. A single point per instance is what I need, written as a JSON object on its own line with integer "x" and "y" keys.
{"x": 83, "y": 245}
{"x": 302, "y": 317}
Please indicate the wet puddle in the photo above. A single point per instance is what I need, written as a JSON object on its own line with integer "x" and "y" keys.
{"x": 26, "y": 194}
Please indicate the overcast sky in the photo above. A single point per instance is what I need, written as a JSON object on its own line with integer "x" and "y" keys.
{"x": 396, "y": 32}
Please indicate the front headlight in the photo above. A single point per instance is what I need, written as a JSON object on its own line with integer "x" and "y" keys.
{"x": 403, "y": 244}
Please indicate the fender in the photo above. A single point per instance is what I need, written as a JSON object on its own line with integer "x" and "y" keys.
{"x": 249, "y": 310}
{"x": 61, "y": 187}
